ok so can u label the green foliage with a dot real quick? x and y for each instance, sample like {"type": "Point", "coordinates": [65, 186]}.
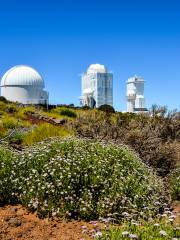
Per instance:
{"type": "Point", "coordinates": [85, 107]}
{"type": "Point", "coordinates": [106, 108]}
{"type": "Point", "coordinates": [3, 131]}
{"type": "Point", "coordinates": [10, 122]}
{"type": "Point", "coordinates": [81, 179]}
{"type": "Point", "coordinates": [124, 119]}
{"type": "Point", "coordinates": [174, 184]}
{"type": "Point", "coordinates": [68, 113]}
{"type": "Point", "coordinates": [44, 131]}
{"type": "Point", "coordinates": [6, 186]}
{"type": "Point", "coordinates": [3, 99]}
{"type": "Point", "coordinates": [16, 138]}
{"type": "Point", "coordinates": [24, 111]}
{"type": "Point", "coordinates": [2, 107]}
{"type": "Point", "coordinates": [11, 108]}
{"type": "Point", "coordinates": [160, 230]}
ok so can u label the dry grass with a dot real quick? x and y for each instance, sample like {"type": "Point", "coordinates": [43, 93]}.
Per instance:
{"type": "Point", "coordinates": [44, 131]}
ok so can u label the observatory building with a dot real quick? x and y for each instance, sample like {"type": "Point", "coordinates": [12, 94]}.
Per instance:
{"type": "Point", "coordinates": [25, 85]}
{"type": "Point", "coordinates": [135, 94]}
{"type": "Point", "coordinates": [97, 86]}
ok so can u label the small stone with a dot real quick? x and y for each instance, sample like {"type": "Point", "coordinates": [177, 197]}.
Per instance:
{"type": "Point", "coordinates": [14, 222]}
{"type": "Point", "coordinates": [59, 121]}
{"type": "Point", "coordinates": [19, 234]}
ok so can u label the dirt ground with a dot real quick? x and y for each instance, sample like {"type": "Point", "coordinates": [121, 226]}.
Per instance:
{"type": "Point", "coordinates": [16, 223]}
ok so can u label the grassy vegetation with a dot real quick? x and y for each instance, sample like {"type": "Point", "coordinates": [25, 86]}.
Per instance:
{"type": "Point", "coordinates": [44, 131]}
{"type": "Point", "coordinates": [63, 112]}
{"type": "Point", "coordinates": [9, 122]}
{"type": "Point", "coordinates": [22, 112]}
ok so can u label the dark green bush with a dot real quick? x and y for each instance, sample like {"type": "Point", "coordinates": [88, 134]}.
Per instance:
{"type": "Point", "coordinates": [106, 108]}
{"type": "Point", "coordinates": [68, 113]}
{"type": "Point", "coordinates": [85, 107]}
{"type": "Point", "coordinates": [3, 99]}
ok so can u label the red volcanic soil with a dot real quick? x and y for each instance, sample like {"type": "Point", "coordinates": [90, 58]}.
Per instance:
{"type": "Point", "coordinates": [17, 223]}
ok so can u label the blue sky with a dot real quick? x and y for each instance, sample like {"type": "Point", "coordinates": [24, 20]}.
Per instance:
{"type": "Point", "coordinates": [61, 38]}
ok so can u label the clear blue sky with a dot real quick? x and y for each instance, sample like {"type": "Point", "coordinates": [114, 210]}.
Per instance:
{"type": "Point", "coordinates": [61, 38]}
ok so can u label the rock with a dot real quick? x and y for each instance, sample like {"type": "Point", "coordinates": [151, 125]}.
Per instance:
{"type": "Point", "coordinates": [45, 118]}
{"type": "Point", "coordinates": [40, 117]}
{"type": "Point", "coordinates": [19, 234]}
{"type": "Point", "coordinates": [14, 222]}
{"type": "Point", "coordinates": [35, 115]}
{"type": "Point", "coordinates": [59, 121]}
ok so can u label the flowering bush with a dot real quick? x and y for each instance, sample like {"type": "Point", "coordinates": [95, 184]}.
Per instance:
{"type": "Point", "coordinates": [142, 231]}
{"type": "Point", "coordinates": [80, 179]}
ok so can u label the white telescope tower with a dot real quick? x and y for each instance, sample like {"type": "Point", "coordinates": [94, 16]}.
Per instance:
{"type": "Point", "coordinates": [135, 94]}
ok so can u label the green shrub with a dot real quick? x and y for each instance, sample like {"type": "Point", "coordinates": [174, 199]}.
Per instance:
{"type": "Point", "coordinates": [106, 108]}
{"type": "Point", "coordinates": [157, 230]}
{"type": "Point", "coordinates": [174, 184]}
{"type": "Point", "coordinates": [85, 107]}
{"type": "Point", "coordinates": [83, 179]}
{"type": "Point", "coordinates": [68, 113]}
{"type": "Point", "coordinates": [6, 186]}
{"type": "Point", "coordinates": [24, 111]}
{"type": "Point", "coordinates": [3, 99]}
{"type": "Point", "coordinates": [3, 131]}
{"type": "Point", "coordinates": [16, 138]}
{"type": "Point", "coordinates": [2, 106]}
{"type": "Point", "coordinates": [42, 132]}
{"type": "Point", "coordinates": [10, 122]}
{"type": "Point", "coordinates": [11, 108]}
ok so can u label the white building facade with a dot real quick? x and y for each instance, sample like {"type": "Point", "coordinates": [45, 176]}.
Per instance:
{"type": "Point", "coordinates": [23, 84]}
{"type": "Point", "coordinates": [97, 86]}
{"type": "Point", "coordinates": [135, 94]}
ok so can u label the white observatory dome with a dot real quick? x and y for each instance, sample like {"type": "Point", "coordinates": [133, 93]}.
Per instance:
{"type": "Point", "coordinates": [22, 75]}
{"type": "Point", "coordinates": [25, 85]}
{"type": "Point", "coordinates": [96, 68]}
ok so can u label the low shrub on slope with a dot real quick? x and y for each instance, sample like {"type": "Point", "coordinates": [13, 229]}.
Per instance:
{"type": "Point", "coordinates": [80, 179]}
{"type": "Point", "coordinates": [162, 230]}
{"type": "Point", "coordinates": [43, 131]}
{"type": "Point", "coordinates": [174, 184]}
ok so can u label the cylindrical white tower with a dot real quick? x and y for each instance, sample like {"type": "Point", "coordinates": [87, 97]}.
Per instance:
{"type": "Point", "coordinates": [131, 95]}
{"type": "Point", "coordinates": [135, 94]}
